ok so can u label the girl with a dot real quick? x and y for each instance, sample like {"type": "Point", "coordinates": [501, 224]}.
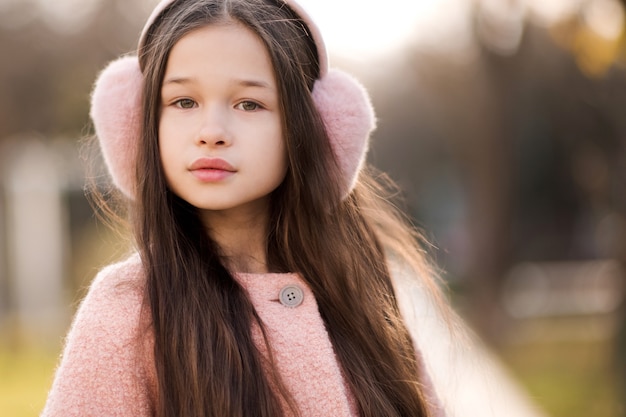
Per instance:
{"type": "Point", "coordinates": [261, 284]}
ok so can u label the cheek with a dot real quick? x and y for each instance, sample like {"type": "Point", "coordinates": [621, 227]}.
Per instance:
{"type": "Point", "coordinates": [272, 158]}
{"type": "Point", "coordinates": [270, 150]}
{"type": "Point", "coordinates": [167, 149]}
{"type": "Point", "coordinates": [166, 137]}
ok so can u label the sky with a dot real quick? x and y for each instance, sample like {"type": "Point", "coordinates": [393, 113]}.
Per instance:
{"type": "Point", "coordinates": [357, 28]}
{"type": "Point", "coordinates": [362, 29]}
{"type": "Point", "coordinates": [352, 28]}
{"type": "Point", "coordinates": [366, 29]}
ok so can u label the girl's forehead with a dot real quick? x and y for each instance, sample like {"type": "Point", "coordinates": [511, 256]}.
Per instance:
{"type": "Point", "coordinates": [312, 28]}
{"type": "Point", "coordinates": [224, 39]}
{"type": "Point", "coordinates": [228, 52]}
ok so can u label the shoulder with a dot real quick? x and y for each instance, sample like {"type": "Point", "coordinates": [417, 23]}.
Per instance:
{"type": "Point", "coordinates": [424, 318]}
{"type": "Point", "coordinates": [114, 302]}
{"type": "Point", "coordinates": [124, 274]}
{"type": "Point", "coordinates": [115, 296]}
{"type": "Point", "coordinates": [104, 363]}
{"type": "Point", "coordinates": [416, 295]}
{"type": "Point", "coordinates": [461, 375]}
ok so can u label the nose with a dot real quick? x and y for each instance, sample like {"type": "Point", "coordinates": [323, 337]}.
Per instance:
{"type": "Point", "coordinates": [213, 129]}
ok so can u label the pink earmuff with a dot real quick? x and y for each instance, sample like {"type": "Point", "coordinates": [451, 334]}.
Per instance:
{"type": "Point", "coordinates": [341, 100]}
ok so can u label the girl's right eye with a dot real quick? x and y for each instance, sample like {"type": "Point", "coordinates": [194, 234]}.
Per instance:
{"type": "Point", "coordinates": [185, 103]}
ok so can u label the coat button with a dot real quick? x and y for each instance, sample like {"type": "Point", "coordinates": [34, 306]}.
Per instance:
{"type": "Point", "coordinates": [291, 296]}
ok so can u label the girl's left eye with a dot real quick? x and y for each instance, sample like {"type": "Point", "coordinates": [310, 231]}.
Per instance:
{"type": "Point", "coordinates": [185, 103]}
{"type": "Point", "coordinates": [248, 106]}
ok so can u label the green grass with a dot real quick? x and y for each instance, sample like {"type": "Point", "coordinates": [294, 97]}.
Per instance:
{"type": "Point", "coordinates": [25, 378]}
{"type": "Point", "coordinates": [572, 379]}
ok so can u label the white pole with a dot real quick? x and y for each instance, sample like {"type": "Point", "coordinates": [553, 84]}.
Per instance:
{"type": "Point", "coordinates": [37, 240]}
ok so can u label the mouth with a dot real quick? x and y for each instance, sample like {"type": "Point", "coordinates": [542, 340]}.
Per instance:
{"type": "Point", "coordinates": [216, 164]}
{"type": "Point", "coordinates": [211, 169]}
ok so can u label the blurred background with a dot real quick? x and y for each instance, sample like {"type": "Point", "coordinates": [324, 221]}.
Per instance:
{"type": "Point", "coordinates": [502, 120]}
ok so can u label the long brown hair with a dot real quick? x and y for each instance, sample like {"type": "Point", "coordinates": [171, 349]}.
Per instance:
{"type": "Point", "coordinates": [206, 361]}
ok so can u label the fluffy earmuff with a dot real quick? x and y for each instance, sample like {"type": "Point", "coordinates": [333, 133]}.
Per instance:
{"type": "Point", "coordinates": [116, 115]}
{"type": "Point", "coordinates": [116, 108]}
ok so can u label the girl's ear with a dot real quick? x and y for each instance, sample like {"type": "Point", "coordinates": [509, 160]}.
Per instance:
{"type": "Point", "coordinates": [349, 118]}
{"type": "Point", "coordinates": [116, 114]}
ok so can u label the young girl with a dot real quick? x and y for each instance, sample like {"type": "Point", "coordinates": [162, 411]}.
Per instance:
{"type": "Point", "coordinates": [261, 284]}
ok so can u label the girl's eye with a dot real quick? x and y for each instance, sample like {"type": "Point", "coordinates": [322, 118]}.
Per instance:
{"type": "Point", "coordinates": [248, 106]}
{"type": "Point", "coordinates": [185, 103]}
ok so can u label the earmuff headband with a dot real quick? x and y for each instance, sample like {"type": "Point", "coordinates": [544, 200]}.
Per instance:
{"type": "Point", "coordinates": [116, 110]}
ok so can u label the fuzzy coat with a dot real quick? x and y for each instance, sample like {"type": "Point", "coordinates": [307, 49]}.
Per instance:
{"type": "Point", "coordinates": [107, 368]}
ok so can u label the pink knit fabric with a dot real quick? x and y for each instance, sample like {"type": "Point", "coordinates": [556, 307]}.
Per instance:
{"type": "Point", "coordinates": [107, 367]}
{"type": "Point", "coordinates": [349, 117]}
{"type": "Point", "coordinates": [116, 115]}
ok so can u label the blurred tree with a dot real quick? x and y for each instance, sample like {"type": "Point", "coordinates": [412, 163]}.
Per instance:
{"type": "Point", "coordinates": [47, 71]}
{"type": "Point", "coordinates": [532, 133]}
{"type": "Point", "coordinates": [595, 36]}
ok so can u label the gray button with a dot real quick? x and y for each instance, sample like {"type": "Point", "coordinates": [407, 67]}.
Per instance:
{"type": "Point", "coordinates": [291, 296]}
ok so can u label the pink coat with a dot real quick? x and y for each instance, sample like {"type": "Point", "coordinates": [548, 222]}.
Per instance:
{"type": "Point", "coordinates": [107, 366]}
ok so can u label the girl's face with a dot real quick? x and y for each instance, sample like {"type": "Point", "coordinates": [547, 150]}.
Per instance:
{"type": "Point", "coordinates": [220, 131]}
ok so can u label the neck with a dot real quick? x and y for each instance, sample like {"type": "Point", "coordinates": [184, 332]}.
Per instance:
{"type": "Point", "coordinates": [241, 237]}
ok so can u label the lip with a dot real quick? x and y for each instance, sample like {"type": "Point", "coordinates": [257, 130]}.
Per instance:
{"type": "Point", "coordinates": [211, 169]}
{"type": "Point", "coordinates": [211, 163]}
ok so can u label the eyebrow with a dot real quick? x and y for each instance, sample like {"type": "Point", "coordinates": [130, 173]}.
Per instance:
{"type": "Point", "coordinates": [177, 80]}
{"type": "Point", "coordinates": [253, 83]}
{"type": "Point", "coordinates": [239, 82]}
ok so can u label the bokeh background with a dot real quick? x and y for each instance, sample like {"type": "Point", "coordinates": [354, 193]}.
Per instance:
{"type": "Point", "coordinates": [502, 120]}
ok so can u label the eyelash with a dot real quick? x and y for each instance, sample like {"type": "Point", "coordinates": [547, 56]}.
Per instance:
{"type": "Point", "coordinates": [181, 104]}
{"type": "Point", "coordinates": [256, 105]}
